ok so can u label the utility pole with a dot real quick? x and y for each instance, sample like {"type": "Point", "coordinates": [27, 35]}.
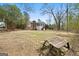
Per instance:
{"type": "Point", "coordinates": [67, 17]}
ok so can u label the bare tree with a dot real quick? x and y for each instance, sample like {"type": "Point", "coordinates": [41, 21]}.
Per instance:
{"type": "Point", "coordinates": [57, 12]}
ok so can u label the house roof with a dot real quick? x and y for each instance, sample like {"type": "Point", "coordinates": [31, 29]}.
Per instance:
{"type": "Point", "coordinates": [41, 23]}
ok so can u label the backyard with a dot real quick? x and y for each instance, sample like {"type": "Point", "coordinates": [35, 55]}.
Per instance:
{"type": "Point", "coordinates": [26, 42]}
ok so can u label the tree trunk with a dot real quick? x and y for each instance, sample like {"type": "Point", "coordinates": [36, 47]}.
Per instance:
{"type": "Point", "coordinates": [58, 25]}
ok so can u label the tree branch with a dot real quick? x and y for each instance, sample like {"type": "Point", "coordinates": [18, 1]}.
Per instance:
{"type": "Point", "coordinates": [53, 15]}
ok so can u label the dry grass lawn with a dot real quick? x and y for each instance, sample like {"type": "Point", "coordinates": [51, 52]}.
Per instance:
{"type": "Point", "coordinates": [25, 42]}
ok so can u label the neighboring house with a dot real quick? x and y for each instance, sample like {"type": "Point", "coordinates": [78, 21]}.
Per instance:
{"type": "Point", "coordinates": [40, 26]}
{"type": "Point", "coordinates": [36, 26]}
{"type": "Point", "coordinates": [2, 26]}
{"type": "Point", "coordinates": [29, 26]}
